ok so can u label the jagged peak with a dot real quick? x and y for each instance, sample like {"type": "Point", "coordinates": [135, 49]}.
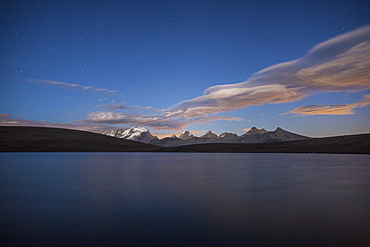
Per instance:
{"type": "Point", "coordinates": [209, 134]}
{"type": "Point", "coordinates": [135, 133]}
{"type": "Point", "coordinates": [186, 135]}
{"type": "Point", "coordinates": [186, 132]}
{"type": "Point", "coordinates": [227, 134]}
{"type": "Point", "coordinates": [278, 129]}
{"type": "Point", "coordinates": [138, 128]}
{"type": "Point", "coordinates": [254, 130]}
{"type": "Point", "coordinates": [130, 130]}
{"type": "Point", "coordinates": [107, 132]}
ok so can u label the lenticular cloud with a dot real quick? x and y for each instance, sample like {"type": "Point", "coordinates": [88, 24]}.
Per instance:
{"type": "Point", "coordinates": [72, 86]}
{"type": "Point", "coordinates": [337, 109]}
{"type": "Point", "coordinates": [339, 64]}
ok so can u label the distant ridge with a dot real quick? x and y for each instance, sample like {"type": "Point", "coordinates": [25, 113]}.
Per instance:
{"type": "Point", "coordinates": [351, 144]}
{"type": "Point", "coordinates": [41, 139]}
{"type": "Point", "coordinates": [254, 135]}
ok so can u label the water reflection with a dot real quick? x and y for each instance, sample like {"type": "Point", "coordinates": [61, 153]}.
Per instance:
{"type": "Point", "coordinates": [187, 199]}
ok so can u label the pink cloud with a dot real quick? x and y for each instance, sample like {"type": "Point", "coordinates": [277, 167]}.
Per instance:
{"type": "Point", "coordinates": [339, 64]}
{"type": "Point", "coordinates": [157, 122]}
{"type": "Point", "coordinates": [337, 109]}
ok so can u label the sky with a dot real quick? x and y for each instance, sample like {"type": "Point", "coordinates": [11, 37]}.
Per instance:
{"type": "Point", "coordinates": [171, 66]}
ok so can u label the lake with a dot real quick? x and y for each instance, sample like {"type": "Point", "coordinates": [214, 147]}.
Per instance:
{"type": "Point", "coordinates": [184, 199]}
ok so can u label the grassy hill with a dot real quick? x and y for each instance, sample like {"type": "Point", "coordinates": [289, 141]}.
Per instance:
{"type": "Point", "coordinates": [40, 139]}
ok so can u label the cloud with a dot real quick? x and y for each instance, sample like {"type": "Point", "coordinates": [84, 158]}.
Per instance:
{"type": "Point", "coordinates": [348, 71]}
{"type": "Point", "coordinates": [128, 108]}
{"type": "Point", "coordinates": [72, 86]}
{"type": "Point", "coordinates": [337, 109]}
{"type": "Point", "coordinates": [230, 99]}
{"type": "Point", "coordinates": [158, 122]}
{"type": "Point", "coordinates": [339, 64]}
{"type": "Point", "coordinates": [115, 107]}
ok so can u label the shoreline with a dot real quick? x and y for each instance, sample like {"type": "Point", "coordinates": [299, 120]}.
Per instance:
{"type": "Point", "coordinates": [42, 139]}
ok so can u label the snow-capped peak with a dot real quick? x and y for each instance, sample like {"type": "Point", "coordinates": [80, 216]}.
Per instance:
{"type": "Point", "coordinates": [135, 133]}
{"type": "Point", "coordinates": [209, 135]}
{"type": "Point", "coordinates": [228, 135]}
{"type": "Point", "coordinates": [186, 135]}
{"type": "Point", "coordinates": [135, 130]}
{"type": "Point", "coordinates": [140, 129]}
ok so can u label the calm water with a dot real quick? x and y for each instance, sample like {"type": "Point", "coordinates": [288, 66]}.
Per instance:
{"type": "Point", "coordinates": [161, 199]}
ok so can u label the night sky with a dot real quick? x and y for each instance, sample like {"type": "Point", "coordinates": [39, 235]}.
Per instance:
{"type": "Point", "coordinates": [170, 66]}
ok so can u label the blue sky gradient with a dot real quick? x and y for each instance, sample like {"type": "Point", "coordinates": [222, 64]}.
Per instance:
{"type": "Point", "coordinates": [96, 65]}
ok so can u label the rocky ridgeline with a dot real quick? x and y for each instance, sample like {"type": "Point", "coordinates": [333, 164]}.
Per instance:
{"type": "Point", "coordinates": [254, 135]}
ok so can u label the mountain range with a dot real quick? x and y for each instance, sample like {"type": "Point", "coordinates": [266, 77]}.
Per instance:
{"type": "Point", "coordinates": [139, 134]}
{"type": "Point", "coordinates": [254, 135]}
{"type": "Point", "coordinates": [43, 139]}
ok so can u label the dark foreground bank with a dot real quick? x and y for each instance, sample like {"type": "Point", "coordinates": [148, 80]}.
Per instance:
{"type": "Point", "coordinates": [352, 144]}
{"type": "Point", "coordinates": [40, 139]}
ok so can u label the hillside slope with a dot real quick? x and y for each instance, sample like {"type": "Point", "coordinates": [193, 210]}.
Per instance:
{"type": "Point", "coordinates": [355, 144]}
{"type": "Point", "coordinates": [40, 139]}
